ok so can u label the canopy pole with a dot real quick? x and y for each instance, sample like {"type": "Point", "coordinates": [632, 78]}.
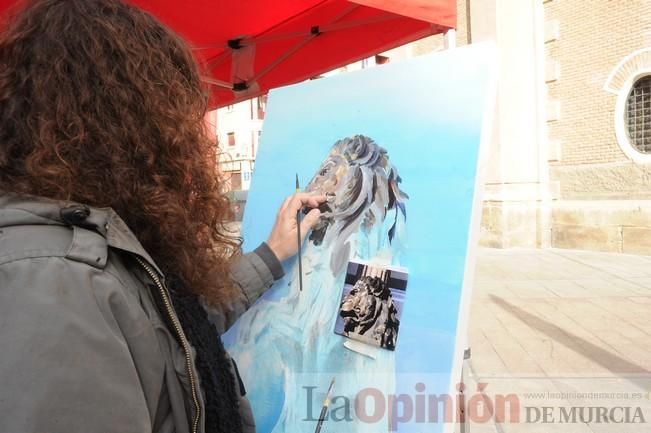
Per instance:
{"type": "Point", "coordinates": [256, 40]}
{"type": "Point", "coordinates": [215, 82]}
{"type": "Point", "coordinates": [450, 39]}
{"type": "Point", "coordinates": [314, 32]}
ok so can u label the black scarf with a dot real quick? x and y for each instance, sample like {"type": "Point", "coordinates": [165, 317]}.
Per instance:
{"type": "Point", "coordinates": [214, 367]}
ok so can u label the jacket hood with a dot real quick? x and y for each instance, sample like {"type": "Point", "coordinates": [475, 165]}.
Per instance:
{"type": "Point", "coordinates": [25, 210]}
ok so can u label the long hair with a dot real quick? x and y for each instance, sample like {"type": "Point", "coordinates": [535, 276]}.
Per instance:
{"type": "Point", "coordinates": [102, 104]}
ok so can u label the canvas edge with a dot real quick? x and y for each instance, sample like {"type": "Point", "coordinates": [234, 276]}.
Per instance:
{"type": "Point", "coordinates": [461, 339]}
{"type": "Point", "coordinates": [379, 265]}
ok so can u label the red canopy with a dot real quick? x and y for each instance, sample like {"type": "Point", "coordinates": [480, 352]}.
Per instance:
{"type": "Point", "coordinates": [251, 46]}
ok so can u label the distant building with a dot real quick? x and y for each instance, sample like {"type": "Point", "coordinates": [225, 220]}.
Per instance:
{"type": "Point", "coordinates": [238, 129]}
{"type": "Point", "coordinates": [569, 163]}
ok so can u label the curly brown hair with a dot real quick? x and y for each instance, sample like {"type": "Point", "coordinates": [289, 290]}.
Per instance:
{"type": "Point", "coordinates": [102, 104]}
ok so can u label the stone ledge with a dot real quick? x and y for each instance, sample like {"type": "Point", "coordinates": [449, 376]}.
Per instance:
{"type": "Point", "coordinates": [619, 226]}
{"type": "Point", "coordinates": [514, 224]}
{"type": "Point", "coordinates": [552, 30]}
{"type": "Point", "coordinates": [603, 213]}
{"type": "Point", "coordinates": [636, 240]}
{"type": "Point", "coordinates": [554, 155]}
{"type": "Point", "coordinates": [617, 180]}
{"type": "Point", "coordinates": [553, 110]}
{"type": "Point", "coordinates": [552, 71]}
{"type": "Point", "coordinates": [521, 193]}
{"type": "Point", "coordinates": [605, 239]}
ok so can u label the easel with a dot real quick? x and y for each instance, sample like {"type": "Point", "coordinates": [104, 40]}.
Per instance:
{"type": "Point", "coordinates": [463, 427]}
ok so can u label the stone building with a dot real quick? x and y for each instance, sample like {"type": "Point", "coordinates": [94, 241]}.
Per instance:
{"type": "Point", "coordinates": [570, 160]}
{"type": "Point", "coordinates": [599, 123]}
{"type": "Point", "coordinates": [238, 129]}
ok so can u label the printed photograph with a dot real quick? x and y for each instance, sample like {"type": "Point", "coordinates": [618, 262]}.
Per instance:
{"type": "Point", "coordinates": [371, 304]}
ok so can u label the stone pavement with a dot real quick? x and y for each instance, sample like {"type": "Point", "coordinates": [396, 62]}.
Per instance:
{"type": "Point", "coordinates": [567, 330]}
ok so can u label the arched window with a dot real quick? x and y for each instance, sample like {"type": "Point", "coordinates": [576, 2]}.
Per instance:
{"type": "Point", "coordinates": [630, 80]}
{"type": "Point", "coordinates": [637, 115]}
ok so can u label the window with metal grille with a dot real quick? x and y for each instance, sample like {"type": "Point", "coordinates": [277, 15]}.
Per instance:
{"type": "Point", "coordinates": [637, 115]}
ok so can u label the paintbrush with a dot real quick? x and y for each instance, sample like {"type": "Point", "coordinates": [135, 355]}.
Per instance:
{"type": "Point", "coordinates": [298, 230]}
{"type": "Point", "coordinates": [324, 409]}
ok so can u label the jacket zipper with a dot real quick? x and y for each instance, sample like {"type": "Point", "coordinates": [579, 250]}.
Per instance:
{"type": "Point", "coordinates": [182, 339]}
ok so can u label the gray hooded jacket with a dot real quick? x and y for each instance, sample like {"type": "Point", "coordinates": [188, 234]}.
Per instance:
{"type": "Point", "coordinates": [84, 346]}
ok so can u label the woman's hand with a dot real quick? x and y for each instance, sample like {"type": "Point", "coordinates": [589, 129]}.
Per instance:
{"type": "Point", "coordinates": [283, 239]}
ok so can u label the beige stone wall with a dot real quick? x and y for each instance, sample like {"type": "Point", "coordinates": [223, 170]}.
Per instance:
{"type": "Point", "coordinates": [516, 213]}
{"type": "Point", "coordinates": [622, 226]}
{"type": "Point", "coordinates": [615, 180]}
{"type": "Point", "coordinates": [594, 198]}
{"type": "Point", "coordinates": [436, 42]}
{"type": "Point", "coordinates": [584, 42]}
{"type": "Point", "coordinates": [605, 198]}
{"type": "Point", "coordinates": [514, 224]}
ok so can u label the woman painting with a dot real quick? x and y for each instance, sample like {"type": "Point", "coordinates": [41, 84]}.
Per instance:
{"type": "Point", "coordinates": [116, 271]}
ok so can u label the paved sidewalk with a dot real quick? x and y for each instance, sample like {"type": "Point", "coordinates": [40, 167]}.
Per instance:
{"type": "Point", "coordinates": [563, 328]}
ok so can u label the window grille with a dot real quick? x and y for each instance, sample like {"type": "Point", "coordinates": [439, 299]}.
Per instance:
{"type": "Point", "coordinates": [637, 116]}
